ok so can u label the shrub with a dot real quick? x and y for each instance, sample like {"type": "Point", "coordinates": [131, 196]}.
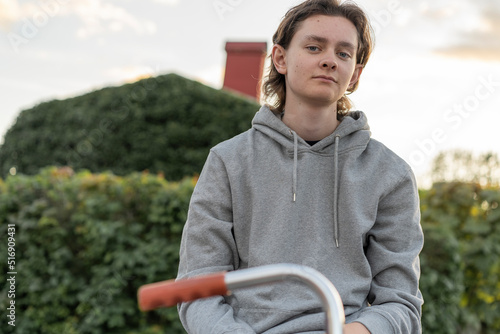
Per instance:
{"type": "Point", "coordinates": [163, 124]}
{"type": "Point", "coordinates": [442, 281]}
{"type": "Point", "coordinates": [85, 243]}
{"type": "Point", "coordinates": [461, 258]}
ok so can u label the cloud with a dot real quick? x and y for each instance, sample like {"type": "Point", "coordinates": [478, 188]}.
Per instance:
{"type": "Point", "coordinates": [480, 41]}
{"type": "Point", "coordinates": [97, 16]}
{"type": "Point", "coordinates": [10, 12]}
{"type": "Point", "coordinates": [168, 2]}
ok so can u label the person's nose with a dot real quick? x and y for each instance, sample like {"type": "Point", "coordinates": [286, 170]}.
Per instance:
{"type": "Point", "coordinates": [328, 63]}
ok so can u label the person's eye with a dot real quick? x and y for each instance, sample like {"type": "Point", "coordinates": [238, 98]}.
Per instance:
{"type": "Point", "coordinates": [313, 48]}
{"type": "Point", "coordinates": [344, 55]}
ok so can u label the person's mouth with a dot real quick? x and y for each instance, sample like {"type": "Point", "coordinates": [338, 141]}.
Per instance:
{"type": "Point", "coordinates": [326, 78]}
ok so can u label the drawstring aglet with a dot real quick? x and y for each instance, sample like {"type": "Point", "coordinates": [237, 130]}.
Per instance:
{"type": "Point", "coordinates": [294, 197]}
{"type": "Point", "coordinates": [337, 242]}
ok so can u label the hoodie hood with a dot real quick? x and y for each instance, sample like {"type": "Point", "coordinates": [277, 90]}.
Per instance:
{"type": "Point", "coordinates": [353, 125]}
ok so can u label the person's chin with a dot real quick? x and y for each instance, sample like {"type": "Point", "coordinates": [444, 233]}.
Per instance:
{"type": "Point", "coordinates": [323, 100]}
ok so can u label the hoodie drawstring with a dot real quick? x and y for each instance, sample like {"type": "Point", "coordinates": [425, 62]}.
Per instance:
{"type": "Point", "coordinates": [335, 191]}
{"type": "Point", "coordinates": [335, 185]}
{"type": "Point", "coordinates": [294, 185]}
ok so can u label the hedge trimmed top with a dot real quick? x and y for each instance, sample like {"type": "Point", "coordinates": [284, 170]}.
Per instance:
{"type": "Point", "coordinates": [165, 124]}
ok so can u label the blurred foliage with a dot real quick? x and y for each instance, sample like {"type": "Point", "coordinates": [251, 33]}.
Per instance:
{"type": "Point", "coordinates": [464, 166]}
{"type": "Point", "coordinates": [85, 243]}
{"type": "Point", "coordinates": [461, 258]}
{"type": "Point", "coordinates": [162, 124]}
{"type": "Point", "coordinates": [441, 282]}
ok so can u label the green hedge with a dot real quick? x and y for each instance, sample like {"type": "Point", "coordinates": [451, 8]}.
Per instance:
{"type": "Point", "coordinates": [84, 245]}
{"type": "Point", "coordinates": [86, 242]}
{"type": "Point", "coordinates": [165, 124]}
{"type": "Point", "coordinates": [461, 258]}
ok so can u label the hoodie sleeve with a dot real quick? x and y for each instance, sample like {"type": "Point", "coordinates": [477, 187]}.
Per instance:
{"type": "Point", "coordinates": [393, 248]}
{"type": "Point", "coordinates": [208, 246]}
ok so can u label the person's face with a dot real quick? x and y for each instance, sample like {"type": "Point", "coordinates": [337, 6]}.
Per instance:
{"type": "Point", "coordinates": [320, 62]}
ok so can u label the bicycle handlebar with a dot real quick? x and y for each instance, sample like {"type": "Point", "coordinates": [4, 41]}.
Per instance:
{"type": "Point", "coordinates": [171, 292]}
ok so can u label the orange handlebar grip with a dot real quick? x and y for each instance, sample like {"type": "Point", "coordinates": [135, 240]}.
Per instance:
{"type": "Point", "coordinates": [171, 292]}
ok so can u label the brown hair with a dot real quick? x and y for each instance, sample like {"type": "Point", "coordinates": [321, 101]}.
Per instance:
{"type": "Point", "coordinates": [274, 83]}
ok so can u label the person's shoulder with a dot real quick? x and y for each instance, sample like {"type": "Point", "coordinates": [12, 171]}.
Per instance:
{"type": "Point", "coordinates": [388, 168]}
{"type": "Point", "coordinates": [233, 145]}
{"type": "Point", "coordinates": [387, 158]}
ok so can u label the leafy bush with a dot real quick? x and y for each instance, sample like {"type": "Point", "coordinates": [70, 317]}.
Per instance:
{"type": "Point", "coordinates": [163, 124]}
{"type": "Point", "coordinates": [442, 281]}
{"type": "Point", "coordinates": [461, 258]}
{"type": "Point", "coordinates": [86, 242]}
{"type": "Point", "coordinates": [84, 245]}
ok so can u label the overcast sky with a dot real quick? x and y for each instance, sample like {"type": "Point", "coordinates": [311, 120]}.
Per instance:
{"type": "Point", "coordinates": [432, 84]}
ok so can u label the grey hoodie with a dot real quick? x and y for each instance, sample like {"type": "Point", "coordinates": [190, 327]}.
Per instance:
{"type": "Point", "coordinates": [346, 206]}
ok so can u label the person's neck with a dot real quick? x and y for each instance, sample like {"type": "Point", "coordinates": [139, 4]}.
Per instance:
{"type": "Point", "coordinates": [311, 123]}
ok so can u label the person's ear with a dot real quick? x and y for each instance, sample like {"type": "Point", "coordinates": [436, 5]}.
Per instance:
{"type": "Point", "coordinates": [279, 58]}
{"type": "Point", "coordinates": [355, 75]}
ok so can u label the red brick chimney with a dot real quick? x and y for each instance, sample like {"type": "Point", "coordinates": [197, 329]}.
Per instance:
{"type": "Point", "coordinates": [244, 67]}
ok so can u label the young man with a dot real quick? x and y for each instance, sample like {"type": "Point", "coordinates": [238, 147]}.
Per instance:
{"type": "Point", "coordinates": [307, 185]}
